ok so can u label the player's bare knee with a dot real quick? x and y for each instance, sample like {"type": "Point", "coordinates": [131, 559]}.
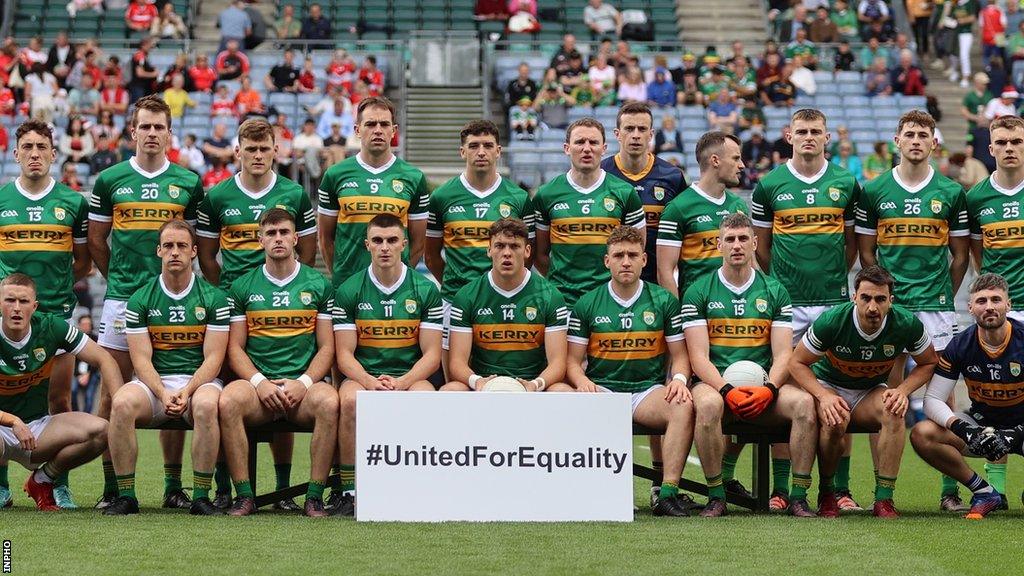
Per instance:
{"type": "Point", "coordinates": [709, 409]}
{"type": "Point", "coordinates": [205, 408]}
{"type": "Point", "coordinates": [348, 401]}
{"type": "Point", "coordinates": [892, 423]}
{"type": "Point", "coordinates": [454, 387]}
{"type": "Point", "coordinates": [923, 433]}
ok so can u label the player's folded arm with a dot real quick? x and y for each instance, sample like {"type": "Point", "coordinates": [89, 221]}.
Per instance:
{"type": "Point", "coordinates": [140, 349]}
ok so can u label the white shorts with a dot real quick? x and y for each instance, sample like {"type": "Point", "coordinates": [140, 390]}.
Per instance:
{"type": "Point", "coordinates": [112, 326]}
{"type": "Point", "coordinates": [446, 326]}
{"type": "Point", "coordinates": [10, 448]}
{"type": "Point", "coordinates": [803, 317]}
{"type": "Point", "coordinates": [635, 398]}
{"type": "Point", "coordinates": [852, 397]}
{"type": "Point", "coordinates": [941, 326]}
{"type": "Point", "coordinates": [1017, 315]}
{"type": "Point", "coordinates": [172, 383]}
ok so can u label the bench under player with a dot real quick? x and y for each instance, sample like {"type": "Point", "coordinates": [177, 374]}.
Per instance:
{"type": "Point", "coordinates": [228, 220]}
{"type": "Point", "coordinates": [43, 231]}
{"type": "Point", "coordinates": [387, 336]}
{"type": "Point", "coordinates": [281, 348]}
{"type": "Point", "coordinates": [461, 211]}
{"type": "Point", "coordinates": [129, 203]}
{"type": "Point", "coordinates": [48, 445]}
{"type": "Point", "coordinates": [508, 322]}
{"type": "Point", "coordinates": [177, 338]}
{"type": "Point", "coordinates": [844, 360]}
{"type": "Point", "coordinates": [577, 211]}
{"type": "Point", "coordinates": [989, 358]}
{"type": "Point", "coordinates": [913, 222]}
{"type": "Point", "coordinates": [739, 313]}
{"type": "Point", "coordinates": [624, 337]}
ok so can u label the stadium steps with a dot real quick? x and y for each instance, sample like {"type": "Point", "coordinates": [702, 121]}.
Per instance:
{"type": "Point", "coordinates": [720, 22]}
{"type": "Point", "coordinates": [434, 117]}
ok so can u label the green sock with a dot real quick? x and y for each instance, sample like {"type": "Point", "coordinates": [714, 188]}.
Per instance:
{"type": "Point", "coordinates": [948, 485]}
{"type": "Point", "coordinates": [826, 484]}
{"type": "Point", "coordinates": [61, 480]}
{"type": "Point", "coordinates": [126, 485]}
{"type": "Point", "coordinates": [283, 473]}
{"type": "Point", "coordinates": [335, 483]}
{"type": "Point", "coordinates": [843, 475]}
{"type": "Point", "coordinates": [715, 487]}
{"type": "Point", "coordinates": [780, 475]}
{"type": "Point", "coordinates": [243, 488]}
{"type": "Point", "coordinates": [348, 477]}
{"type": "Point", "coordinates": [172, 477]}
{"type": "Point", "coordinates": [201, 484]}
{"type": "Point", "coordinates": [109, 478]}
{"type": "Point", "coordinates": [801, 483]}
{"type": "Point", "coordinates": [315, 490]}
{"type": "Point", "coordinates": [884, 487]}
{"type": "Point", "coordinates": [996, 475]}
{"type": "Point", "coordinates": [222, 477]}
{"type": "Point", "coordinates": [658, 466]}
{"type": "Point", "coordinates": [668, 490]}
{"type": "Point", "coordinates": [4, 481]}
{"type": "Point", "coordinates": [729, 466]}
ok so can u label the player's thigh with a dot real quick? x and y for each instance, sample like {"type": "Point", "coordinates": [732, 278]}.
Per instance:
{"type": "Point", "coordinates": [321, 400]}
{"type": "Point", "coordinates": [239, 399]}
{"type": "Point", "coordinates": [137, 401]}
{"type": "Point", "coordinates": [64, 430]}
{"type": "Point", "coordinates": [204, 403]}
{"type": "Point", "coordinates": [654, 412]}
{"type": "Point", "coordinates": [421, 386]}
{"type": "Point", "coordinates": [707, 402]}
{"type": "Point", "coordinates": [793, 403]}
{"type": "Point", "coordinates": [347, 394]}
{"type": "Point", "coordinates": [940, 326]}
{"type": "Point", "coordinates": [929, 433]}
{"type": "Point", "coordinates": [870, 411]}
{"type": "Point", "coordinates": [455, 386]}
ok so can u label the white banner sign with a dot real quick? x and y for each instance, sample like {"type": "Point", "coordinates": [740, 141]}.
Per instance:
{"type": "Point", "coordinates": [490, 456]}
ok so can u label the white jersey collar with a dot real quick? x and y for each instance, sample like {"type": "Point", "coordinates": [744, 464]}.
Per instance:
{"type": "Point", "coordinates": [135, 166]}
{"type": "Point", "coordinates": [38, 195]}
{"type": "Point", "coordinates": [388, 289]}
{"type": "Point", "coordinates": [509, 293]}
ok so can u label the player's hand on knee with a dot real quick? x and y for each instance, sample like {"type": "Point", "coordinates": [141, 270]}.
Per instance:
{"type": "Point", "coordinates": [834, 410]}
{"type": "Point", "coordinates": [271, 397]}
{"type": "Point", "coordinates": [23, 434]}
{"type": "Point", "coordinates": [588, 386]}
{"type": "Point", "coordinates": [392, 383]}
{"type": "Point", "coordinates": [895, 401]}
{"type": "Point", "coordinates": [677, 392]}
{"type": "Point", "coordinates": [378, 384]}
{"type": "Point", "coordinates": [482, 383]}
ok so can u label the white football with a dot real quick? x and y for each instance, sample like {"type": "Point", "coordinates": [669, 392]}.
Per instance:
{"type": "Point", "coordinates": [745, 373]}
{"type": "Point", "coordinates": [504, 384]}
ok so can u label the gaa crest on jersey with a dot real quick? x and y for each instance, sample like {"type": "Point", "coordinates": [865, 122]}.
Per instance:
{"type": "Point", "coordinates": [649, 317]}
{"type": "Point", "coordinates": [59, 213]}
{"type": "Point", "coordinates": [835, 194]}
{"type": "Point", "coordinates": [410, 306]}
{"type": "Point", "coordinates": [761, 304]}
{"type": "Point", "coordinates": [936, 206]}
{"type": "Point", "coordinates": [609, 203]}
{"type": "Point", "coordinates": [531, 313]}
{"type": "Point", "coordinates": [1014, 369]}
{"type": "Point", "coordinates": [40, 354]}
{"type": "Point", "coordinates": [659, 193]}
{"type": "Point", "coordinates": [505, 210]}
{"type": "Point", "coordinates": [397, 186]}
{"type": "Point", "coordinates": [173, 191]}
{"type": "Point", "coordinates": [200, 313]}
{"type": "Point", "coordinates": [306, 298]}
{"type": "Point", "coordinates": [888, 350]}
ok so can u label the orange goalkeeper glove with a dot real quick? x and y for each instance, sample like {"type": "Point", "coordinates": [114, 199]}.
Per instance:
{"type": "Point", "coordinates": [758, 400]}
{"type": "Point", "coordinates": [734, 396]}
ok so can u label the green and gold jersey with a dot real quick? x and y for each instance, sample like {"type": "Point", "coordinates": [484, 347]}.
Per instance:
{"type": "Point", "coordinates": [739, 319]}
{"type": "Point", "coordinates": [388, 320]}
{"type": "Point", "coordinates": [579, 221]}
{"type": "Point", "coordinates": [37, 235]}
{"type": "Point", "coordinates": [25, 366]}
{"type": "Point", "coordinates": [137, 203]}
{"type": "Point", "coordinates": [995, 219]}
{"type": "Point", "coordinates": [690, 223]}
{"type": "Point", "coordinates": [232, 214]}
{"type": "Point", "coordinates": [912, 227]}
{"type": "Point", "coordinates": [462, 216]}
{"type": "Point", "coordinates": [808, 217]}
{"type": "Point", "coordinates": [354, 193]}
{"type": "Point", "coordinates": [858, 361]}
{"type": "Point", "coordinates": [508, 328]}
{"type": "Point", "coordinates": [626, 339]}
{"type": "Point", "coordinates": [281, 317]}
{"type": "Point", "coordinates": [177, 323]}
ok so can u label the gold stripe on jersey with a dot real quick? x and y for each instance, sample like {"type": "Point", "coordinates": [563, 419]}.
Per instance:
{"type": "Point", "coordinates": [362, 209]}
{"type": "Point", "coordinates": [700, 246]}
{"type": "Point", "coordinates": [12, 385]}
{"type": "Point", "coordinates": [1002, 235]}
{"type": "Point", "coordinates": [1002, 394]}
{"type": "Point", "coordinates": [388, 333]}
{"type": "Point", "coordinates": [466, 234]}
{"type": "Point", "coordinates": [280, 323]}
{"type": "Point", "coordinates": [739, 332]}
{"type": "Point", "coordinates": [145, 215]}
{"type": "Point", "coordinates": [508, 337]}
{"type": "Point", "coordinates": [858, 369]}
{"type": "Point", "coordinates": [823, 220]}
{"type": "Point", "coordinates": [912, 232]}
{"type": "Point", "coordinates": [240, 237]}
{"type": "Point", "coordinates": [35, 237]}
{"type": "Point", "coordinates": [176, 337]}
{"type": "Point", "coordinates": [582, 230]}
{"type": "Point", "coordinates": [641, 345]}
{"type": "Point", "coordinates": [652, 212]}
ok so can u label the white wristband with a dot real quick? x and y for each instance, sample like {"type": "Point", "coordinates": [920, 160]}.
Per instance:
{"type": "Point", "coordinates": [306, 380]}
{"type": "Point", "coordinates": [679, 377]}
{"type": "Point", "coordinates": [256, 379]}
{"type": "Point", "coordinates": [473, 379]}
{"type": "Point", "coordinates": [540, 382]}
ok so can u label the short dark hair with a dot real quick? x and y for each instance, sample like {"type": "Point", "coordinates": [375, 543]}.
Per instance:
{"type": "Point", "coordinates": [584, 123]}
{"type": "Point", "coordinates": [711, 143]}
{"type": "Point", "coordinates": [633, 108]}
{"type": "Point", "coordinates": [276, 216]}
{"type": "Point", "coordinates": [19, 279]}
{"type": "Point", "coordinates": [919, 117]}
{"type": "Point", "coordinates": [736, 220]}
{"type": "Point", "coordinates": [479, 128]}
{"type": "Point", "coordinates": [384, 220]}
{"type": "Point", "coordinates": [375, 102]}
{"type": "Point", "coordinates": [625, 234]}
{"type": "Point", "coordinates": [37, 126]}
{"type": "Point", "coordinates": [176, 224]}
{"type": "Point", "coordinates": [510, 227]}
{"type": "Point", "coordinates": [989, 281]}
{"type": "Point", "coordinates": [876, 275]}
{"type": "Point", "coordinates": [151, 103]}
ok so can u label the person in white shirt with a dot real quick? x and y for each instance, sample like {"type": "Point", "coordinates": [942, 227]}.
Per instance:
{"type": "Point", "coordinates": [602, 18]}
{"type": "Point", "coordinates": [1005, 105]}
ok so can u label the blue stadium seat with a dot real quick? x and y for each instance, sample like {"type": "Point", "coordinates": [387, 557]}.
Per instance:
{"type": "Point", "coordinates": [856, 101]}
{"type": "Point", "coordinates": [848, 77]}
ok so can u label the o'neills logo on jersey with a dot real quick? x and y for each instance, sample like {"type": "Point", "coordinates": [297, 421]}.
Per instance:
{"type": "Point", "coordinates": [912, 232]}
{"type": "Point", "coordinates": [858, 368]}
{"type": "Point", "coordinates": [280, 323]}
{"type": "Point", "coordinates": [35, 237]}
{"type": "Point", "coordinates": [388, 333]}
{"type": "Point", "coordinates": [809, 221]}
{"type": "Point", "coordinates": [466, 234]}
{"type": "Point", "coordinates": [361, 209]}
{"type": "Point", "coordinates": [739, 332]}
{"type": "Point", "coordinates": [999, 394]}
{"type": "Point", "coordinates": [508, 337]}
{"type": "Point", "coordinates": [176, 337]}
{"type": "Point", "coordinates": [11, 384]}
{"type": "Point", "coordinates": [626, 345]}
{"type": "Point", "coordinates": [1002, 235]}
{"type": "Point", "coordinates": [145, 215]}
{"type": "Point", "coordinates": [582, 230]}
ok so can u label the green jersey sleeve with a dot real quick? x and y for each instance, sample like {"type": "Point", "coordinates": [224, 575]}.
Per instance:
{"type": "Point", "coordinates": [959, 224]}
{"type": "Point", "coordinates": [73, 339]}
{"type": "Point", "coordinates": [327, 199]}
{"type": "Point", "coordinates": [460, 311]}
{"type": "Point", "coordinates": [783, 315]}
{"type": "Point", "coordinates": [866, 214]}
{"type": "Point", "coordinates": [435, 217]}
{"type": "Point", "coordinates": [420, 201]}
{"type": "Point", "coordinates": [919, 337]}
{"type": "Point", "coordinates": [579, 322]}
{"type": "Point", "coordinates": [101, 208]}
{"type": "Point", "coordinates": [556, 317]}
{"type": "Point", "coordinates": [222, 310]}
{"type": "Point", "coordinates": [80, 227]}
{"type": "Point", "coordinates": [850, 214]}
{"type": "Point", "coordinates": [343, 314]}
{"type": "Point", "coordinates": [671, 226]}
{"type": "Point", "coordinates": [306, 217]}
{"type": "Point", "coordinates": [135, 315]}
{"type": "Point", "coordinates": [541, 217]}
{"type": "Point", "coordinates": [821, 334]}
{"type": "Point", "coordinates": [761, 211]}
{"type": "Point", "coordinates": [195, 199]}
{"type": "Point", "coordinates": [672, 319]}
{"type": "Point", "coordinates": [693, 309]}
{"type": "Point", "coordinates": [633, 214]}
{"type": "Point", "coordinates": [207, 219]}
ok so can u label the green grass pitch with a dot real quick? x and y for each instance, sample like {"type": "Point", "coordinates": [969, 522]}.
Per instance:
{"type": "Point", "coordinates": [923, 541]}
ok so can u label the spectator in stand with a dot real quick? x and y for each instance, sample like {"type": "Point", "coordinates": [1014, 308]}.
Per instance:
{"type": "Point", "coordinates": [231, 62]}
{"type": "Point", "coordinates": [316, 27]}
{"type": "Point", "coordinates": [1015, 43]}
{"type": "Point", "coordinates": [844, 59]}
{"type": "Point", "coordinates": [139, 17]}
{"type": "Point", "coordinates": [769, 71]}
{"type": "Point", "coordinates": [84, 100]}
{"type": "Point", "coordinates": [877, 81]}
{"type": "Point", "coordinates": [756, 154]}
{"type": "Point", "coordinates": [992, 24]}
{"type": "Point", "coordinates": [521, 87]}
{"type": "Point", "coordinates": [372, 76]}
{"type": "Point", "coordinates": [306, 147]}
{"type": "Point", "coordinates": [33, 53]}
{"type": "Point", "coordinates": [571, 75]}
{"type": "Point", "coordinates": [661, 92]}
{"type": "Point", "coordinates": [249, 101]}
{"type": "Point", "coordinates": [842, 137]}
{"type": "Point", "coordinates": [105, 127]}
{"type": "Point", "coordinates": [69, 177]}
{"type": "Point", "coordinates": [169, 24]}
{"type": "Point", "coordinates": [560, 61]}
{"type": "Point", "coordinates": [871, 12]}
{"type": "Point", "coordinates": [235, 24]}
{"type": "Point", "coordinates": [602, 81]}
{"type": "Point", "coordinates": [341, 71]}
{"type": "Point", "coordinates": [877, 162]}
{"type": "Point", "coordinates": [737, 53]}
{"type": "Point", "coordinates": [218, 146]}
{"type": "Point", "coordinates": [972, 107]}
{"type": "Point", "coordinates": [964, 12]}
{"type": "Point", "coordinates": [799, 21]}
{"type": "Point", "coordinates": [191, 156]}
{"type": "Point", "coordinates": [872, 52]}
{"type": "Point", "coordinates": [75, 5]}
{"type": "Point", "coordinates": [338, 114]}
{"type": "Point", "coordinates": [103, 157]}
{"type": "Point", "coordinates": [203, 75]}
{"type": "Point", "coordinates": [966, 169]}
{"type": "Point", "coordinates": [751, 115]}
{"type": "Point", "coordinates": [113, 68]}
{"type": "Point", "coordinates": [143, 73]}
{"type": "Point", "coordinates": [76, 143]}
{"type": "Point", "coordinates": [334, 147]}
{"type": "Point", "coordinates": [8, 104]}
{"type": "Point", "coordinates": [780, 92]}
{"type": "Point", "coordinates": [523, 119]}
{"type": "Point", "coordinates": [307, 78]}
{"type": "Point", "coordinates": [803, 47]}
{"type": "Point", "coordinates": [283, 137]}
{"type": "Point", "coordinates": [901, 43]}
{"type": "Point", "coordinates": [602, 19]}
{"type": "Point", "coordinates": [908, 79]}
{"type": "Point", "coordinates": [919, 13]}
{"type": "Point", "coordinates": [1005, 105]}
{"type": "Point", "coordinates": [61, 58]}
{"type": "Point", "coordinates": [689, 94]}
{"type": "Point", "coordinates": [687, 68]}
{"type": "Point", "coordinates": [553, 105]}
{"type": "Point", "coordinates": [668, 140]}
{"type": "Point", "coordinates": [287, 26]}
{"type": "Point", "coordinates": [622, 58]}
{"type": "Point", "coordinates": [723, 114]}
{"type": "Point", "coordinates": [584, 94]}
{"type": "Point", "coordinates": [849, 160]}
{"type": "Point", "coordinates": [803, 78]}
{"type": "Point", "coordinates": [85, 66]}
{"type": "Point", "coordinates": [782, 149]}
{"type": "Point", "coordinates": [177, 98]}
{"type": "Point", "coordinates": [9, 61]}
{"type": "Point", "coordinates": [40, 92]}
{"type": "Point", "coordinates": [632, 87]}
{"type": "Point", "coordinates": [714, 82]}
{"type": "Point", "coordinates": [217, 173]}
{"type": "Point", "coordinates": [742, 78]}
{"type": "Point", "coordinates": [823, 29]}
{"type": "Point", "coordinates": [284, 77]}
{"type": "Point", "coordinates": [846, 21]}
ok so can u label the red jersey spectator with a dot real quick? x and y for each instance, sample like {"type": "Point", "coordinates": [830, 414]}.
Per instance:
{"type": "Point", "coordinates": [341, 71]}
{"type": "Point", "coordinates": [3, 139]}
{"type": "Point", "coordinates": [993, 32]}
{"type": "Point", "coordinates": [113, 97]}
{"type": "Point", "coordinates": [113, 68]}
{"type": "Point", "coordinates": [216, 175]}
{"type": "Point", "coordinates": [231, 63]}
{"type": "Point", "coordinates": [307, 78]}
{"type": "Point", "coordinates": [140, 15]}
{"type": "Point", "coordinates": [203, 75]}
{"type": "Point", "coordinates": [33, 53]}
{"type": "Point", "coordinates": [223, 104]}
{"type": "Point", "coordinates": [7, 107]}
{"type": "Point", "coordinates": [372, 76]}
